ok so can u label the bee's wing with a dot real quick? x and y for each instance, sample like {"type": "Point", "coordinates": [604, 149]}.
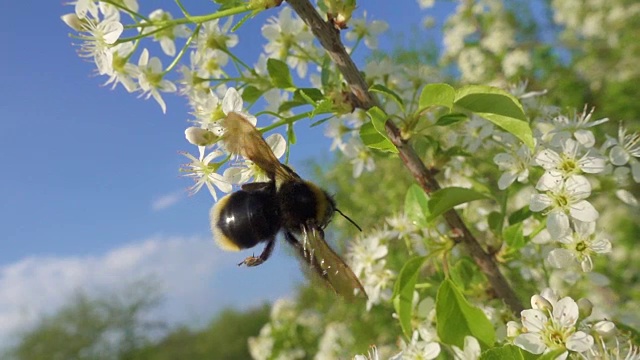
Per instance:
{"type": "Point", "coordinates": [326, 263]}
{"type": "Point", "coordinates": [242, 138]}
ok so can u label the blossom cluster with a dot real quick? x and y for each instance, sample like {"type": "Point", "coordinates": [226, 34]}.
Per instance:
{"type": "Point", "coordinates": [210, 63]}
{"type": "Point", "coordinates": [559, 181]}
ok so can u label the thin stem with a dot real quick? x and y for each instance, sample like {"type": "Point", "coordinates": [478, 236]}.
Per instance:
{"type": "Point", "coordinates": [142, 35]}
{"type": "Point", "coordinates": [183, 9]}
{"type": "Point", "coordinates": [329, 38]}
{"type": "Point", "coordinates": [183, 50]}
{"type": "Point", "coordinates": [285, 121]}
{"type": "Point", "coordinates": [126, 9]}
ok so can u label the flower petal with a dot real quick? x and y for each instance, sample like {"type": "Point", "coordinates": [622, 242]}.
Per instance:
{"type": "Point", "coordinates": [585, 137]}
{"type": "Point", "coordinates": [557, 224]}
{"type": "Point", "coordinates": [506, 179]}
{"type": "Point", "coordinates": [277, 143]}
{"type": "Point", "coordinates": [618, 155]}
{"type": "Point", "coordinates": [504, 160]}
{"type": "Point", "coordinates": [533, 320]}
{"type": "Point", "coordinates": [530, 342]}
{"type": "Point", "coordinates": [550, 180]}
{"type": "Point", "coordinates": [592, 164]}
{"type": "Point", "coordinates": [579, 342]}
{"type": "Point", "coordinates": [232, 101]}
{"type": "Point", "coordinates": [548, 159]}
{"type": "Point", "coordinates": [583, 211]}
{"type": "Point", "coordinates": [560, 258]}
{"type": "Point", "coordinates": [565, 312]}
{"type": "Point", "coordinates": [539, 202]}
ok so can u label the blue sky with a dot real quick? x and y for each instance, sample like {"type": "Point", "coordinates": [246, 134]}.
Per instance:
{"type": "Point", "coordinates": [86, 172]}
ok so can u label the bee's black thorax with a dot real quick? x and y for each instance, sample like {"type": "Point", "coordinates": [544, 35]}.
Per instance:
{"type": "Point", "coordinates": [301, 202]}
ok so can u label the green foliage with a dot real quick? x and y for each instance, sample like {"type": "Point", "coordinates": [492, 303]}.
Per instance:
{"type": "Point", "coordinates": [280, 74]}
{"type": "Point", "coordinates": [445, 199]}
{"type": "Point", "coordinates": [456, 318]}
{"type": "Point", "coordinates": [108, 327]}
{"type": "Point", "coordinates": [507, 352]}
{"type": "Point", "coordinates": [437, 95]}
{"type": "Point", "coordinates": [416, 205]}
{"type": "Point", "coordinates": [225, 338]}
{"type": "Point", "coordinates": [373, 133]}
{"type": "Point", "coordinates": [497, 106]}
{"type": "Point", "coordinates": [403, 292]}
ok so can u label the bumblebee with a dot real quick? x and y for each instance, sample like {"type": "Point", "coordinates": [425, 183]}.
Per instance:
{"type": "Point", "coordinates": [287, 203]}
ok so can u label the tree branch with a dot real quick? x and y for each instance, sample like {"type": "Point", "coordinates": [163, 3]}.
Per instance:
{"type": "Point", "coordinates": [329, 38]}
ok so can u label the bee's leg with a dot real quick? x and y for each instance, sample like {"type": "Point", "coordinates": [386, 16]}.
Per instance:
{"type": "Point", "coordinates": [255, 261]}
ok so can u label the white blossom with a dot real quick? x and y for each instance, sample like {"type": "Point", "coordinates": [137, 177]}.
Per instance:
{"type": "Point", "coordinates": [288, 37]}
{"type": "Point", "coordinates": [167, 36]}
{"type": "Point", "coordinates": [204, 172]}
{"type": "Point", "coordinates": [515, 166]}
{"type": "Point", "coordinates": [151, 79]}
{"type": "Point", "coordinates": [577, 126]}
{"type": "Point", "coordinates": [551, 325]}
{"type": "Point", "coordinates": [626, 151]}
{"type": "Point", "coordinates": [579, 246]}
{"type": "Point", "coordinates": [563, 199]}
{"type": "Point", "coordinates": [471, 349]}
{"type": "Point", "coordinates": [568, 163]}
{"type": "Point", "coordinates": [360, 29]}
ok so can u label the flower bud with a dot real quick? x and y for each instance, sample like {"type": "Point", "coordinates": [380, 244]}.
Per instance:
{"type": "Point", "coordinates": [513, 329]}
{"type": "Point", "coordinates": [73, 21]}
{"type": "Point", "coordinates": [540, 303]}
{"type": "Point", "coordinates": [584, 307]}
{"type": "Point", "coordinates": [200, 137]}
{"type": "Point", "coordinates": [605, 328]}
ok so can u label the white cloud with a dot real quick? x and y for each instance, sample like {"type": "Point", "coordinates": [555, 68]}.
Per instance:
{"type": "Point", "coordinates": [167, 200]}
{"type": "Point", "coordinates": [196, 278]}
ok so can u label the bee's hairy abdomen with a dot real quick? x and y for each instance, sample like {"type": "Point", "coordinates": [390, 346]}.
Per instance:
{"type": "Point", "coordinates": [242, 219]}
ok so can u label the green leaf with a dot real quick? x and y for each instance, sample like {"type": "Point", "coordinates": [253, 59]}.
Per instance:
{"type": "Point", "coordinates": [251, 94]}
{"type": "Point", "coordinates": [507, 352]}
{"type": "Point", "coordinates": [291, 134]}
{"type": "Point", "coordinates": [324, 106]}
{"type": "Point", "coordinates": [520, 215]}
{"type": "Point", "coordinates": [463, 272]}
{"type": "Point", "coordinates": [450, 119]}
{"type": "Point", "coordinates": [326, 72]}
{"type": "Point", "coordinates": [403, 292]}
{"type": "Point", "coordinates": [513, 236]}
{"type": "Point", "coordinates": [437, 95]}
{"type": "Point", "coordinates": [308, 95]}
{"type": "Point", "coordinates": [497, 106]}
{"type": "Point", "coordinates": [288, 105]}
{"type": "Point", "coordinates": [495, 220]}
{"type": "Point", "coordinates": [280, 74]}
{"type": "Point", "coordinates": [456, 318]}
{"type": "Point", "coordinates": [552, 355]}
{"type": "Point", "coordinates": [445, 199]}
{"type": "Point", "coordinates": [378, 119]}
{"type": "Point", "coordinates": [372, 138]}
{"type": "Point", "coordinates": [381, 89]}
{"type": "Point", "coordinates": [416, 205]}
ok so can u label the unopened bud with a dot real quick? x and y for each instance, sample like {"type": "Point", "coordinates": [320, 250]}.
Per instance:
{"type": "Point", "coordinates": [513, 329]}
{"type": "Point", "coordinates": [200, 137]}
{"type": "Point", "coordinates": [73, 21]}
{"type": "Point", "coordinates": [584, 307]}
{"type": "Point", "coordinates": [540, 303]}
{"type": "Point", "coordinates": [605, 328]}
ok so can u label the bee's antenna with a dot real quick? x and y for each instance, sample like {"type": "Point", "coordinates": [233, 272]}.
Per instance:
{"type": "Point", "coordinates": [351, 221]}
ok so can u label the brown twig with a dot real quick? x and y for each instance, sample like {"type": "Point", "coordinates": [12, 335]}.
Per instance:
{"type": "Point", "coordinates": [329, 38]}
